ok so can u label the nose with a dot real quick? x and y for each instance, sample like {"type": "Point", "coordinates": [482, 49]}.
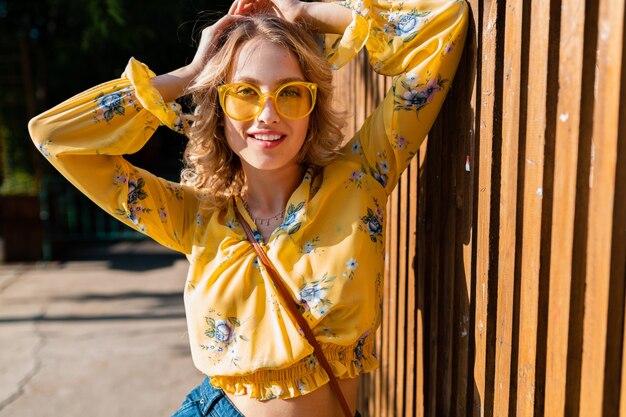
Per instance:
{"type": "Point", "coordinates": [268, 113]}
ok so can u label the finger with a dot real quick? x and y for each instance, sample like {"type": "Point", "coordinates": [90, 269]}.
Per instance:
{"type": "Point", "coordinates": [248, 9]}
{"type": "Point", "coordinates": [244, 6]}
{"type": "Point", "coordinates": [233, 7]}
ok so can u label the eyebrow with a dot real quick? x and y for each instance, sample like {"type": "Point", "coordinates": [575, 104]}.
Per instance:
{"type": "Point", "coordinates": [257, 82]}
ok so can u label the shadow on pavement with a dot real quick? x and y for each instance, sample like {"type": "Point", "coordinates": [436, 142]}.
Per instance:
{"type": "Point", "coordinates": [134, 256]}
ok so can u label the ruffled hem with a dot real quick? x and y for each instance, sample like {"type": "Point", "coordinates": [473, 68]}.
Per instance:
{"type": "Point", "coordinates": [169, 114]}
{"type": "Point", "coordinates": [303, 377]}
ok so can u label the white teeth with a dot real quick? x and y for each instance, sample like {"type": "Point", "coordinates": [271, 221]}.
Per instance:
{"type": "Point", "coordinates": [267, 137]}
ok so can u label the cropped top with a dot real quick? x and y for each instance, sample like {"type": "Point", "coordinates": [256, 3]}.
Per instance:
{"type": "Point", "coordinates": [329, 248]}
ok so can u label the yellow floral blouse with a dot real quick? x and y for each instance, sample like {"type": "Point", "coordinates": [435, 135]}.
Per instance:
{"type": "Point", "coordinates": [330, 246]}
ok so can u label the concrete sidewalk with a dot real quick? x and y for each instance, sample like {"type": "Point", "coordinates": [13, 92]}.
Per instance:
{"type": "Point", "coordinates": [101, 338]}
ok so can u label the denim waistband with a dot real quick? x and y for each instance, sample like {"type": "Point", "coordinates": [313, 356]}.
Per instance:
{"type": "Point", "coordinates": [214, 400]}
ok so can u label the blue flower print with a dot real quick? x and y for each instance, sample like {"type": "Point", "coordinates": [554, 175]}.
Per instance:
{"type": "Point", "coordinates": [257, 236]}
{"type": "Point", "coordinates": [136, 191]}
{"type": "Point", "coordinates": [136, 194]}
{"type": "Point", "coordinates": [312, 294]}
{"type": "Point", "coordinates": [43, 148]}
{"type": "Point", "coordinates": [406, 24]}
{"type": "Point", "coordinates": [310, 360]}
{"type": "Point", "coordinates": [415, 98]}
{"type": "Point", "coordinates": [379, 175]}
{"type": "Point", "coordinates": [114, 103]}
{"type": "Point", "coordinates": [290, 222]}
{"type": "Point", "coordinates": [110, 104]}
{"type": "Point", "coordinates": [356, 177]}
{"type": "Point", "coordinates": [119, 178]}
{"type": "Point", "coordinates": [372, 223]}
{"type": "Point", "coordinates": [351, 266]}
{"type": "Point", "coordinates": [175, 189]}
{"type": "Point", "coordinates": [224, 332]}
{"type": "Point", "coordinates": [398, 142]}
{"type": "Point", "coordinates": [257, 263]}
{"type": "Point", "coordinates": [223, 336]}
{"type": "Point", "coordinates": [302, 386]}
{"type": "Point", "coordinates": [358, 352]}
{"type": "Point", "coordinates": [449, 46]}
{"type": "Point", "coordinates": [310, 246]}
{"type": "Point", "coordinates": [357, 149]}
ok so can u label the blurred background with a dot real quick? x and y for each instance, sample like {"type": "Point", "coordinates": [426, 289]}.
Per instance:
{"type": "Point", "coordinates": [92, 320]}
{"type": "Point", "coordinates": [49, 51]}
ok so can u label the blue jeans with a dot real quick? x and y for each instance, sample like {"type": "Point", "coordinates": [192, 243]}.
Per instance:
{"type": "Point", "coordinates": [207, 401]}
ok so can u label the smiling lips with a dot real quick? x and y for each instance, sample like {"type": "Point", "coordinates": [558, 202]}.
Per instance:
{"type": "Point", "coordinates": [270, 138]}
{"type": "Point", "coordinates": [267, 139]}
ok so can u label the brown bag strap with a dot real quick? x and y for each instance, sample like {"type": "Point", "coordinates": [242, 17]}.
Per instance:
{"type": "Point", "coordinates": [292, 308]}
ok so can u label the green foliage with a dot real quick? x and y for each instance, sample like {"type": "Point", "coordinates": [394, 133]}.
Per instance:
{"type": "Point", "coordinates": [16, 165]}
{"type": "Point", "coordinates": [53, 49]}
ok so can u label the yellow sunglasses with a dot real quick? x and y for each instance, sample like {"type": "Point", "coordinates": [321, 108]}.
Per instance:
{"type": "Point", "coordinates": [243, 101]}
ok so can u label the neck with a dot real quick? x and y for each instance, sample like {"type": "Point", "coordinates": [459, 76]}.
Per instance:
{"type": "Point", "coordinates": [267, 192]}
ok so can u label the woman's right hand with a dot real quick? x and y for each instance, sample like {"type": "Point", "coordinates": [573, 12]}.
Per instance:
{"type": "Point", "coordinates": [175, 84]}
{"type": "Point", "coordinates": [290, 10]}
{"type": "Point", "coordinates": [207, 46]}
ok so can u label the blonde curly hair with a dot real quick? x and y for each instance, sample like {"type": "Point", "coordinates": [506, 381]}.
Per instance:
{"type": "Point", "coordinates": [210, 165]}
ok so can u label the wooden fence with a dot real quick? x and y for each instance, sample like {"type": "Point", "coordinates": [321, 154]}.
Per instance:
{"type": "Point", "coordinates": [505, 292]}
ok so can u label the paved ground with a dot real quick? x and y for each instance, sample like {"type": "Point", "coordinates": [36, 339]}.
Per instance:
{"type": "Point", "coordinates": [97, 338]}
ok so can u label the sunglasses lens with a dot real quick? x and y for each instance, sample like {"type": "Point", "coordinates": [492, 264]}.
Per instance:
{"type": "Point", "coordinates": [241, 102]}
{"type": "Point", "coordinates": [294, 101]}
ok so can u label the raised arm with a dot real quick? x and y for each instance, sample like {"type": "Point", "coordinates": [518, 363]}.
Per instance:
{"type": "Point", "coordinates": [85, 137]}
{"type": "Point", "coordinates": [419, 42]}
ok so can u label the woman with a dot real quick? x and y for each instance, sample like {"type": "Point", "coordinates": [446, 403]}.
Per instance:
{"type": "Point", "coordinates": [265, 143]}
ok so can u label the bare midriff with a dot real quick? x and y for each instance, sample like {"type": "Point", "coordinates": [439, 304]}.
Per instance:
{"type": "Point", "coordinates": [321, 402]}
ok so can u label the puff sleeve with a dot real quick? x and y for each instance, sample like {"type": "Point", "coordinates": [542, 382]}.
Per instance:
{"type": "Point", "coordinates": [85, 137]}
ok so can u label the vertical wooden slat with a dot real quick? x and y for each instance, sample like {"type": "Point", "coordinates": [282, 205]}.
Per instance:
{"type": "Point", "coordinates": [474, 345]}
{"type": "Point", "coordinates": [487, 55]}
{"type": "Point", "coordinates": [508, 211]}
{"type": "Point", "coordinates": [446, 226]}
{"type": "Point", "coordinates": [618, 269]}
{"type": "Point", "coordinates": [402, 347]}
{"type": "Point", "coordinates": [508, 206]}
{"type": "Point", "coordinates": [433, 271]}
{"type": "Point", "coordinates": [622, 400]}
{"type": "Point", "coordinates": [387, 332]}
{"type": "Point", "coordinates": [601, 198]}
{"type": "Point", "coordinates": [564, 208]}
{"type": "Point", "coordinates": [465, 94]}
{"type": "Point", "coordinates": [533, 196]}
{"type": "Point", "coordinates": [394, 277]}
{"type": "Point", "coordinates": [412, 342]}
{"type": "Point", "coordinates": [422, 337]}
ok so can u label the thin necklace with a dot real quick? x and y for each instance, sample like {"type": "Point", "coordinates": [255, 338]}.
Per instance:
{"type": "Point", "coordinates": [267, 221]}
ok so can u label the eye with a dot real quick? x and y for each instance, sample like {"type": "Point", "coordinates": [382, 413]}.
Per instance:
{"type": "Point", "coordinates": [245, 91]}
{"type": "Point", "coordinates": [291, 91]}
